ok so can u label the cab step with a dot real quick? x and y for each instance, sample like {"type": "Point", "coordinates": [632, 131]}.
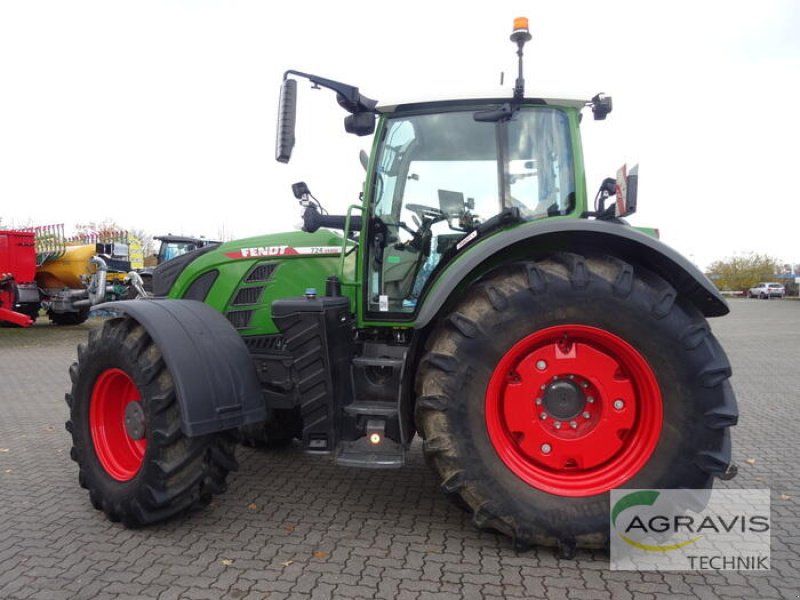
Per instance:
{"type": "Point", "coordinates": [385, 362]}
{"type": "Point", "coordinates": [373, 450]}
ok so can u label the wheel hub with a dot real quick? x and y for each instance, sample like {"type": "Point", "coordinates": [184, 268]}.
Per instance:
{"type": "Point", "coordinates": [563, 399]}
{"type": "Point", "coordinates": [134, 420]}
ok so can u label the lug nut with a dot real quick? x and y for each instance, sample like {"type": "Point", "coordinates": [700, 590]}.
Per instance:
{"type": "Point", "coordinates": [590, 399]}
{"type": "Point", "coordinates": [619, 404]}
{"type": "Point", "coordinates": [557, 424]}
{"type": "Point", "coordinates": [543, 416]}
{"type": "Point", "coordinates": [584, 385]}
{"type": "Point", "coordinates": [541, 365]}
{"type": "Point", "coordinates": [571, 377]}
{"type": "Point", "coordinates": [586, 415]}
{"type": "Point", "coordinates": [546, 449]}
{"type": "Point", "coordinates": [573, 424]}
{"type": "Point", "coordinates": [539, 401]}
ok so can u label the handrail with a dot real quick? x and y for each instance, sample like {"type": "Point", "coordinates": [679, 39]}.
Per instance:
{"type": "Point", "coordinates": [346, 238]}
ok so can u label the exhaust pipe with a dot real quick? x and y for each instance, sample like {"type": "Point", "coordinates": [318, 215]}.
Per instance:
{"type": "Point", "coordinates": [86, 303]}
{"type": "Point", "coordinates": [97, 288]}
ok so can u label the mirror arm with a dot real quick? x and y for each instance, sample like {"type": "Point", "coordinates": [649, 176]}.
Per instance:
{"type": "Point", "coordinates": [354, 102]}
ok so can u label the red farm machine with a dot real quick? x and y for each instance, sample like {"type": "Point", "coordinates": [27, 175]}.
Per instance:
{"type": "Point", "coordinates": [17, 277]}
{"type": "Point", "coordinates": [42, 270]}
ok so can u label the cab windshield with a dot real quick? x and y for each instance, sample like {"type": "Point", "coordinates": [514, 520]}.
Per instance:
{"type": "Point", "coordinates": [440, 176]}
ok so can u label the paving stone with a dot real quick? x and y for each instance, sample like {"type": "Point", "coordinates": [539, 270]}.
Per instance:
{"type": "Point", "coordinates": [385, 534]}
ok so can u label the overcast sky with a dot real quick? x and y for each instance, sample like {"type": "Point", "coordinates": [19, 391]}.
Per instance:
{"type": "Point", "coordinates": [161, 115]}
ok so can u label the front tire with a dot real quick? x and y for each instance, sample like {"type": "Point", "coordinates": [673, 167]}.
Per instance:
{"type": "Point", "coordinates": [137, 464]}
{"type": "Point", "coordinates": [631, 373]}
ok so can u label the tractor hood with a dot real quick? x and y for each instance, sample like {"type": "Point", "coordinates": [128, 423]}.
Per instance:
{"type": "Point", "coordinates": [284, 245]}
{"type": "Point", "coordinates": [241, 278]}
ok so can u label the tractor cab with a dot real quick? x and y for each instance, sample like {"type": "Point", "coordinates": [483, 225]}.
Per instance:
{"type": "Point", "coordinates": [173, 246]}
{"type": "Point", "coordinates": [445, 174]}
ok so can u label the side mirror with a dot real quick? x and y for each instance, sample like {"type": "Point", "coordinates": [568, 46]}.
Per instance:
{"type": "Point", "coordinates": [362, 123]}
{"type": "Point", "coordinates": [627, 188]}
{"type": "Point", "coordinates": [287, 115]}
{"type": "Point", "coordinates": [601, 106]}
{"type": "Point", "coordinates": [300, 190]}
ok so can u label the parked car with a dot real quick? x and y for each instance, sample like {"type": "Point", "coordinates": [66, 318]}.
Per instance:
{"type": "Point", "coordinates": [767, 290]}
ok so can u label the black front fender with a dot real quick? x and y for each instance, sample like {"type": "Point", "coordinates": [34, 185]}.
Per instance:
{"type": "Point", "coordinates": [214, 376]}
{"type": "Point", "coordinates": [581, 236]}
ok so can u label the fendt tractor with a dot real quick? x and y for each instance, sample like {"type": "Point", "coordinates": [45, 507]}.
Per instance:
{"type": "Point", "coordinates": [545, 351]}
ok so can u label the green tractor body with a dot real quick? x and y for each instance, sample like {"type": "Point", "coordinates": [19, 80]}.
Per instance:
{"type": "Point", "coordinates": [242, 278]}
{"type": "Point", "coordinates": [546, 351]}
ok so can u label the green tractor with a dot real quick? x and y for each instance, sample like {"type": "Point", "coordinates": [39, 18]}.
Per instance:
{"type": "Point", "coordinates": [544, 350]}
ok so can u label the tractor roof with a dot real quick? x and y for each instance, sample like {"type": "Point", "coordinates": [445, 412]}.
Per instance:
{"type": "Point", "coordinates": [577, 104]}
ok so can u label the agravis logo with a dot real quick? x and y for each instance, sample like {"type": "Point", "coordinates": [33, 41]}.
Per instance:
{"type": "Point", "coordinates": [644, 498]}
{"type": "Point", "coordinates": [690, 529]}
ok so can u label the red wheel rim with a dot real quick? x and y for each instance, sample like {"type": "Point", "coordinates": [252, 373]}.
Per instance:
{"type": "Point", "coordinates": [120, 454]}
{"type": "Point", "coordinates": [573, 410]}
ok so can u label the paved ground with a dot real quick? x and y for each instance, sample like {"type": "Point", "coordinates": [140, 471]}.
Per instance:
{"type": "Point", "coordinates": [295, 526]}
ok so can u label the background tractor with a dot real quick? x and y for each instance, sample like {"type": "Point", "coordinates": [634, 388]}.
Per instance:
{"type": "Point", "coordinates": [545, 351]}
{"type": "Point", "coordinates": [170, 246]}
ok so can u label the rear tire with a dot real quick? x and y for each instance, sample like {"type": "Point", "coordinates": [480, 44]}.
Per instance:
{"type": "Point", "coordinates": [125, 422]}
{"type": "Point", "coordinates": [30, 309]}
{"type": "Point", "coordinates": [69, 318]}
{"type": "Point", "coordinates": [480, 398]}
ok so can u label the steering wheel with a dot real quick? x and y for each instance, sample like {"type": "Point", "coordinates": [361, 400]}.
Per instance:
{"type": "Point", "coordinates": [426, 212]}
{"type": "Point", "coordinates": [426, 216]}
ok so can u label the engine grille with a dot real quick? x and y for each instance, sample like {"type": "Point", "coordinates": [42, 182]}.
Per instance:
{"type": "Point", "coordinates": [261, 272]}
{"type": "Point", "coordinates": [240, 319]}
{"type": "Point", "coordinates": [248, 295]}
